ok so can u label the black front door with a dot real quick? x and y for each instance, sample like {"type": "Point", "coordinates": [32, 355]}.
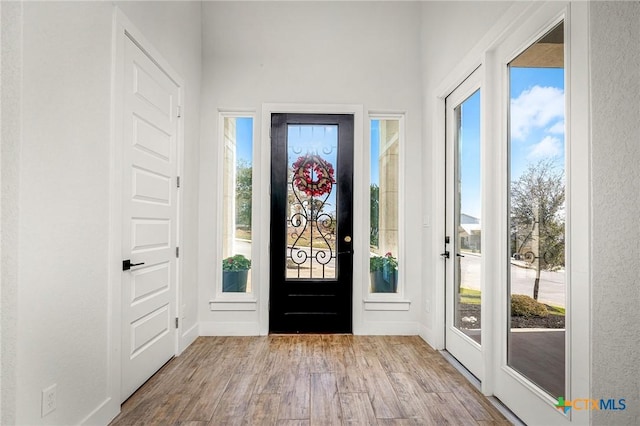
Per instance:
{"type": "Point", "coordinates": [311, 223]}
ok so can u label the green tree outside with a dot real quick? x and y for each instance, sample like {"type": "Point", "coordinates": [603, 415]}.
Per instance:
{"type": "Point", "coordinates": [244, 175]}
{"type": "Point", "coordinates": [374, 192]}
{"type": "Point", "coordinates": [538, 218]}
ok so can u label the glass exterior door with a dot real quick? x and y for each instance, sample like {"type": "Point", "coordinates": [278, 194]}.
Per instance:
{"type": "Point", "coordinates": [536, 336]}
{"type": "Point", "coordinates": [311, 223]}
{"type": "Point", "coordinates": [463, 242]}
{"type": "Point", "coordinates": [537, 375]}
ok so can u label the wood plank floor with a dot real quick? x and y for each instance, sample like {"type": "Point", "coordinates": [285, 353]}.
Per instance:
{"type": "Point", "coordinates": [308, 380]}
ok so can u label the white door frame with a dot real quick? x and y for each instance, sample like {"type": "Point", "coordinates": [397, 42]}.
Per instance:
{"type": "Point", "coordinates": [122, 29]}
{"type": "Point", "coordinates": [462, 347]}
{"type": "Point", "coordinates": [511, 387]}
{"type": "Point", "coordinates": [494, 175]}
{"type": "Point", "coordinates": [360, 234]}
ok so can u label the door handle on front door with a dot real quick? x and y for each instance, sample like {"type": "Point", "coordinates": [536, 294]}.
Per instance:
{"type": "Point", "coordinates": [445, 255]}
{"type": "Point", "coordinates": [126, 264]}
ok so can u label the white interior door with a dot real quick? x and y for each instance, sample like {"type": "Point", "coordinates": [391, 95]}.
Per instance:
{"type": "Point", "coordinates": [463, 242]}
{"type": "Point", "coordinates": [149, 218]}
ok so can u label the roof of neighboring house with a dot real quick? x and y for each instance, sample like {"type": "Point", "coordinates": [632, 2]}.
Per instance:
{"type": "Point", "coordinates": [468, 219]}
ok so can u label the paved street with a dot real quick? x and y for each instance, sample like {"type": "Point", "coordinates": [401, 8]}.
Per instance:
{"type": "Point", "coordinates": [552, 284]}
{"type": "Point", "coordinates": [242, 247]}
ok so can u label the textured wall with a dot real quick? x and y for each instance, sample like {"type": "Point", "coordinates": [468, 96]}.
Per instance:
{"type": "Point", "coordinates": [615, 103]}
{"type": "Point", "coordinates": [57, 61]}
{"type": "Point", "coordinates": [11, 69]}
{"type": "Point", "coordinates": [449, 32]}
{"type": "Point", "coordinates": [63, 206]}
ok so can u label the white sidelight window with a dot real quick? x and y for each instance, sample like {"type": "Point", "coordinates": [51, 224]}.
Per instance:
{"type": "Point", "coordinates": [237, 181]}
{"type": "Point", "coordinates": [386, 138]}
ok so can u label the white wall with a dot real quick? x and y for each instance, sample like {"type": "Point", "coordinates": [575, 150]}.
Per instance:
{"type": "Point", "coordinates": [10, 72]}
{"type": "Point", "coordinates": [64, 181]}
{"type": "Point", "coordinates": [450, 30]}
{"type": "Point", "coordinates": [312, 53]}
{"type": "Point", "coordinates": [61, 209]}
{"type": "Point", "coordinates": [615, 144]}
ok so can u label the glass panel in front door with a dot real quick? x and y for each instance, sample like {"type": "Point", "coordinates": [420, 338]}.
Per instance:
{"type": "Point", "coordinates": [467, 218]}
{"type": "Point", "coordinates": [312, 153]}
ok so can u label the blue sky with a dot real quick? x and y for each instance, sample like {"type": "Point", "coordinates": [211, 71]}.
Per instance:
{"type": "Point", "coordinates": [301, 140]}
{"type": "Point", "coordinates": [375, 152]}
{"type": "Point", "coordinates": [537, 117]}
{"type": "Point", "coordinates": [244, 139]}
{"type": "Point", "coordinates": [537, 132]}
{"type": "Point", "coordinates": [537, 128]}
{"type": "Point", "coordinates": [470, 155]}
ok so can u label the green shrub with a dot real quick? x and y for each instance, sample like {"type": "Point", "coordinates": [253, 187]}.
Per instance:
{"type": "Point", "coordinates": [525, 306]}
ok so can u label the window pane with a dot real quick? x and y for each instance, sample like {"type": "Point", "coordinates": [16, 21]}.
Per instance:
{"type": "Point", "coordinates": [468, 251]}
{"type": "Point", "coordinates": [536, 333]}
{"type": "Point", "coordinates": [236, 204]}
{"type": "Point", "coordinates": [312, 156]}
{"type": "Point", "coordinates": [383, 187]}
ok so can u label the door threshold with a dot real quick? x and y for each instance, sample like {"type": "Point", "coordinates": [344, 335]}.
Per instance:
{"type": "Point", "coordinates": [461, 369]}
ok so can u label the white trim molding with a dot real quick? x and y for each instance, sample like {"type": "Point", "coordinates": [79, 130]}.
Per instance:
{"type": "Point", "coordinates": [389, 328]}
{"type": "Point", "coordinates": [240, 304]}
{"type": "Point", "coordinates": [386, 305]}
{"type": "Point", "coordinates": [220, 328]}
{"type": "Point", "coordinates": [241, 301]}
{"type": "Point", "coordinates": [520, 26]}
{"type": "Point", "coordinates": [387, 301]}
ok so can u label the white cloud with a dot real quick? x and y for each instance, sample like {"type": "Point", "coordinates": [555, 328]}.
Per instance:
{"type": "Point", "coordinates": [547, 148]}
{"type": "Point", "coordinates": [557, 129]}
{"type": "Point", "coordinates": [535, 108]}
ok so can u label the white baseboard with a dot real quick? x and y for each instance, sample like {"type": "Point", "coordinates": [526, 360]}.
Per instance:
{"type": "Point", "coordinates": [431, 337]}
{"type": "Point", "coordinates": [388, 328]}
{"type": "Point", "coordinates": [427, 335]}
{"type": "Point", "coordinates": [103, 414]}
{"type": "Point", "coordinates": [214, 328]}
{"type": "Point", "coordinates": [386, 305]}
{"type": "Point", "coordinates": [189, 336]}
{"type": "Point", "coordinates": [371, 328]}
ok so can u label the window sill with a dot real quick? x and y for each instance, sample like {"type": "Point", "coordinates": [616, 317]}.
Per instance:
{"type": "Point", "coordinates": [386, 305]}
{"type": "Point", "coordinates": [234, 303]}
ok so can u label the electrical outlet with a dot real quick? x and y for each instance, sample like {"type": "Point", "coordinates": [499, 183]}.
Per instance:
{"type": "Point", "coordinates": [49, 399]}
